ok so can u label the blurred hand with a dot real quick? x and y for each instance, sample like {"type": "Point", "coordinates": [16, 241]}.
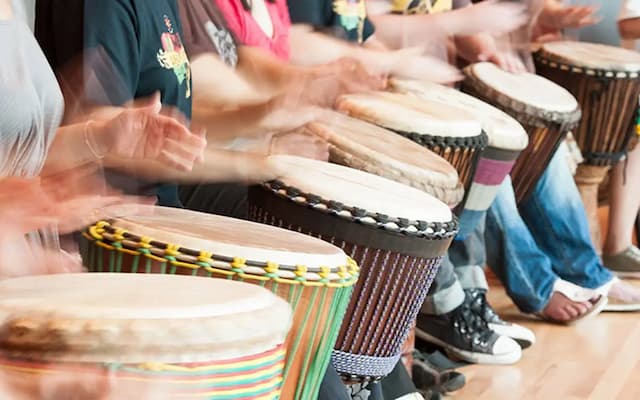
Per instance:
{"type": "Point", "coordinates": [300, 144]}
{"type": "Point", "coordinates": [507, 60]}
{"type": "Point", "coordinates": [556, 16]}
{"type": "Point", "coordinates": [412, 64]}
{"type": "Point", "coordinates": [491, 16]}
{"type": "Point", "coordinates": [144, 133]}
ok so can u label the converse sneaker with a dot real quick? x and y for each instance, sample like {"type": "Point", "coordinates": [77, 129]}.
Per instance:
{"type": "Point", "coordinates": [525, 337]}
{"type": "Point", "coordinates": [466, 336]}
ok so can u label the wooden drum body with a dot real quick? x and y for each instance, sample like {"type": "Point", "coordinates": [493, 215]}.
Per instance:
{"type": "Point", "coordinates": [315, 277]}
{"type": "Point", "coordinates": [606, 82]}
{"type": "Point", "coordinates": [546, 111]}
{"type": "Point", "coordinates": [115, 336]}
{"type": "Point", "coordinates": [506, 140]}
{"type": "Point", "coordinates": [374, 220]}
{"type": "Point", "coordinates": [443, 128]}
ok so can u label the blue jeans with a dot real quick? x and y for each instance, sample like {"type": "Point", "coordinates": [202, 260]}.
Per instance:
{"type": "Point", "coordinates": [547, 239]}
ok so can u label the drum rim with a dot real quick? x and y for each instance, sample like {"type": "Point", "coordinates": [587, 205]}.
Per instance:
{"type": "Point", "coordinates": [546, 57]}
{"type": "Point", "coordinates": [122, 241]}
{"type": "Point", "coordinates": [422, 229]}
{"type": "Point", "coordinates": [533, 115]}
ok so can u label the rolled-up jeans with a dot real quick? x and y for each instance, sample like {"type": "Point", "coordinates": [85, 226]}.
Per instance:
{"type": "Point", "coordinates": [545, 239]}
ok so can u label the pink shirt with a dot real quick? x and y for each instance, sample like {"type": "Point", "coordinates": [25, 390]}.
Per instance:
{"type": "Point", "coordinates": [248, 32]}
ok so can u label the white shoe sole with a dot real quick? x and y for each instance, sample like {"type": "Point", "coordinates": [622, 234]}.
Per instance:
{"type": "Point", "coordinates": [476, 358]}
{"type": "Point", "coordinates": [622, 307]}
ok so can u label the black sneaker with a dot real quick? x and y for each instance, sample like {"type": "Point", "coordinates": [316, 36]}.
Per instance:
{"type": "Point", "coordinates": [524, 336]}
{"type": "Point", "coordinates": [465, 335]}
{"type": "Point", "coordinates": [430, 378]}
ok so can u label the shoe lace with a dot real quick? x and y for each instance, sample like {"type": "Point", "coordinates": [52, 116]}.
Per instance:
{"type": "Point", "coordinates": [481, 306]}
{"type": "Point", "coordinates": [473, 328]}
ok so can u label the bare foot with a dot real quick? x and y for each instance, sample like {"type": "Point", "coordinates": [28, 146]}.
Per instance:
{"type": "Point", "coordinates": [562, 309]}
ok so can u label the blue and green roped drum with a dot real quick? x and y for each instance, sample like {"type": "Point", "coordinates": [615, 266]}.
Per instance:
{"type": "Point", "coordinates": [125, 336]}
{"type": "Point", "coordinates": [315, 277]}
{"type": "Point", "coordinates": [397, 234]}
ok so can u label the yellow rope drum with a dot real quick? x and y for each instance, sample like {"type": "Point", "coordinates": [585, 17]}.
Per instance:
{"type": "Point", "coordinates": [140, 336]}
{"type": "Point", "coordinates": [315, 277]}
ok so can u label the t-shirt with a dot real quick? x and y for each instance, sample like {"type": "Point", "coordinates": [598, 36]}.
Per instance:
{"type": "Point", "coordinates": [420, 6]}
{"type": "Point", "coordinates": [243, 24]}
{"type": "Point", "coordinates": [630, 10]}
{"type": "Point", "coordinates": [206, 31]}
{"type": "Point", "coordinates": [346, 19]}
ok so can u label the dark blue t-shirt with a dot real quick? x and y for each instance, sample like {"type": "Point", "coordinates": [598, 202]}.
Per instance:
{"type": "Point", "coordinates": [346, 19]}
{"type": "Point", "coordinates": [138, 50]}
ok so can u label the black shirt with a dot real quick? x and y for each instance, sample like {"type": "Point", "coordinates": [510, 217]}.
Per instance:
{"type": "Point", "coordinates": [346, 19]}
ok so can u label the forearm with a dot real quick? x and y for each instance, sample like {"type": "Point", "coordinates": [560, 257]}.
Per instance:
{"type": "Point", "coordinates": [629, 28]}
{"type": "Point", "coordinates": [470, 48]}
{"type": "Point", "coordinates": [265, 71]}
{"type": "Point", "coordinates": [218, 166]}
{"type": "Point", "coordinates": [399, 31]}
{"type": "Point", "coordinates": [245, 121]}
{"type": "Point", "coordinates": [312, 48]}
{"type": "Point", "coordinates": [75, 145]}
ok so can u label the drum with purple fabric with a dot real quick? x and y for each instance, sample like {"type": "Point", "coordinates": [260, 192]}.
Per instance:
{"type": "Point", "coordinates": [396, 233]}
{"type": "Point", "coordinates": [441, 127]}
{"type": "Point", "coordinates": [547, 112]}
{"type": "Point", "coordinates": [507, 139]}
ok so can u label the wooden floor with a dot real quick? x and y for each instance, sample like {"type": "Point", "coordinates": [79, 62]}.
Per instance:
{"type": "Point", "coordinates": [598, 359]}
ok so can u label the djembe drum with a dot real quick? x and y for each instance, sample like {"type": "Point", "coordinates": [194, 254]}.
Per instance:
{"type": "Point", "coordinates": [120, 336]}
{"type": "Point", "coordinates": [546, 111]}
{"type": "Point", "coordinates": [445, 129]}
{"type": "Point", "coordinates": [606, 82]}
{"type": "Point", "coordinates": [396, 233]}
{"type": "Point", "coordinates": [370, 148]}
{"type": "Point", "coordinates": [507, 139]}
{"type": "Point", "coordinates": [315, 277]}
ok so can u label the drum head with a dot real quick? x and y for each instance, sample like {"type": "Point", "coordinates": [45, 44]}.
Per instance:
{"type": "Point", "coordinates": [362, 190]}
{"type": "Point", "coordinates": [524, 88]}
{"type": "Point", "coordinates": [411, 115]}
{"type": "Point", "coordinates": [376, 150]}
{"type": "Point", "coordinates": [503, 131]}
{"type": "Point", "coordinates": [592, 56]}
{"type": "Point", "coordinates": [136, 318]}
{"type": "Point", "coordinates": [229, 237]}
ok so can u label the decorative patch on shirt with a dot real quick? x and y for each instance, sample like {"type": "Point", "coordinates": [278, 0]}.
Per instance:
{"type": "Point", "coordinates": [223, 41]}
{"type": "Point", "coordinates": [353, 14]}
{"type": "Point", "coordinates": [174, 57]}
{"type": "Point", "coordinates": [420, 6]}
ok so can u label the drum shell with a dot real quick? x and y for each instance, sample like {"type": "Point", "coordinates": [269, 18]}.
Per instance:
{"type": "Point", "coordinates": [544, 138]}
{"type": "Point", "coordinates": [609, 110]}
{"type": "Point", "coordinates": [315, 309]}
{"type": "Point", "coordinates": [392, 286]}
{"type": "Point", "coordinates": [155, 381]}
{"type": "Point", "coordinates": [462, 156]}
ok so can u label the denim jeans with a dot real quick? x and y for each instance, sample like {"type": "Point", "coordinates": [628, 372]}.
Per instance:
{"type": "Point", "coordinates": [546, 239]}
{"type": "Point", "coordinates": [462, 268]}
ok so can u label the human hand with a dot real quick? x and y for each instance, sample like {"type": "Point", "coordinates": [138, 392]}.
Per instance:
{"type": "Point", "coordinates": [144, 133]}
{"type": "Point", "coordinates": [490, 16]}
{"type": "Point", "coordinates": [410, 63]}
{"type": "Point", "coordinates": [507, 60]}
{"type": "Point", "coordinates": [301, 144]}
{"type": "Point", "coordinates": [555, 17]}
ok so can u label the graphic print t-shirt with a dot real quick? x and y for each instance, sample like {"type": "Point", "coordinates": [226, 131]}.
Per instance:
{"type": "Point", "coordinates": [346, 19]}
{"type": "Point", "coordinates": [206, 31]}
{"type": "Point", "coordinates": [139, 43]}
{"type": "Point", "coordinates": [420, 6]}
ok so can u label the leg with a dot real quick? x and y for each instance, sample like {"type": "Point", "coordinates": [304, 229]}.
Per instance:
{"type": "Point", "coordinates": [446, 293]}
{"type": "Point", "coordinates": [624, 204]}
{"type": "Point", "coordinates": [556, 218]}
{"type": "Point", "coordinates": [514, 255]}
{"type": "Point", "coordinates": [524, 269]}
{"type": "Point", "coordinates": [332, 387]}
